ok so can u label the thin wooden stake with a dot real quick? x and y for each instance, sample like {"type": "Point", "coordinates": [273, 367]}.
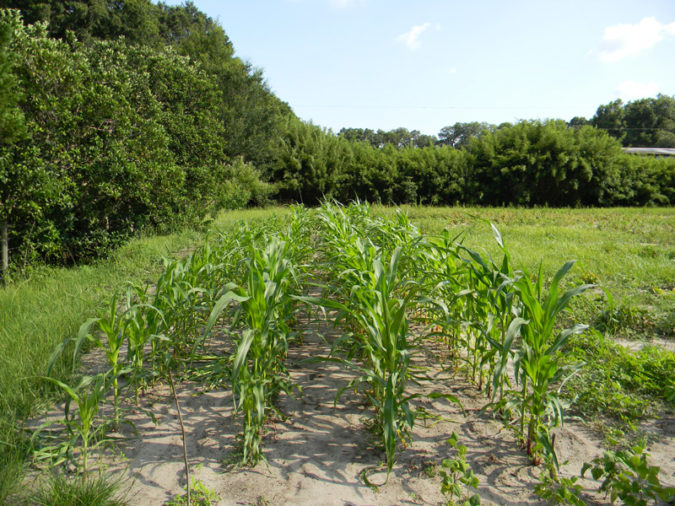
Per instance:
{"type": "Point", "coordinates": [5, 252]}
{"type": "Point", "coordinates": [182, 428]}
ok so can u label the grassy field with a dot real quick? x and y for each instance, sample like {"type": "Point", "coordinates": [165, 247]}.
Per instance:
{"type": "Point", "coordinates": [628, 252]}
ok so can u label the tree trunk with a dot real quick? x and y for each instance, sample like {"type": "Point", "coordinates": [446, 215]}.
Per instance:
{"type": "Point", "coordinates": [5, 252]}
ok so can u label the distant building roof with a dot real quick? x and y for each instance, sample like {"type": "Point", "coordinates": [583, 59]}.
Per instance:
{"type": "Point", "coordinates": [651, 151]}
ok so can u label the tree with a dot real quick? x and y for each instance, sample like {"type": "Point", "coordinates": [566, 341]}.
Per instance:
{"type": "Point", "coordinates": [578, 122]}
{"type": "Point", "coordinates": [645, 122]}
{"type": "Point", "coordinates": [251, 116]}
{"type": "Point", "coordinates": [544, 163]}
{"type": "Point", "coordinates": [610, 117]}
{"type": "Point", "coordinates": [459, 134]}
{"type": "Point", "coordinates": [12, 125]}
{"type": "Point", "coordinates": [650, 122]}
{"type": "Point", "coordinates": [398, 137]}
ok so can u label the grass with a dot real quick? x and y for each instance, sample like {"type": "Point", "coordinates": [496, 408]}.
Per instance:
{"type": "Point", "coordinates": [62, 491]}
{"type": "Point", "coordinates": [628, 251]}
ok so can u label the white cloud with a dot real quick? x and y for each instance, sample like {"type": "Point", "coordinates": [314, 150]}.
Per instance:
{"type": "Point", "coordinates": [632, 90]}
{"type": "Point", "coordinates": [624, 40]}
{"type": "Point", "coordinates": [411, 37]}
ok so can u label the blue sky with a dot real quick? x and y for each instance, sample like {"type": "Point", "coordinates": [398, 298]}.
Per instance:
{"type": "Point", "coordinates": [425, 64]}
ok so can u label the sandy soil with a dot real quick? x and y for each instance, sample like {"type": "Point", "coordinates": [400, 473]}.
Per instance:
{"type": "Point", "coordinates": [316, 456]}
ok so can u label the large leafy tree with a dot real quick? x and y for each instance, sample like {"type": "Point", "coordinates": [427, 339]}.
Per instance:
{"type": "Point", "coordinates": [398, 137]}
{"type": "Point", "coordinates": [610, 117]}
{"type": "Point", "coordinates": [25, 188]}
{"type": "Point", "coordinates": [252, 117]}
{"type": "Point", "coordinates": [650, 122]}
{"type": "Point", "coordinates": [93, 19]}
{"type": "Point", "coordinates": [460, 134]}
{"type": "Point", "coordinates": [643, 123]}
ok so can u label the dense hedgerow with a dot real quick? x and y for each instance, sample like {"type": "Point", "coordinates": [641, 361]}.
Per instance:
{"type": "Point", "coordinates": [531, 163]}
{"type": "Point", "coordinates": [115, 138]}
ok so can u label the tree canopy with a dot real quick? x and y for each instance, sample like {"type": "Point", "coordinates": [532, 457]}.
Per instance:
{"type": "Point", "coordinates": [648, 122]}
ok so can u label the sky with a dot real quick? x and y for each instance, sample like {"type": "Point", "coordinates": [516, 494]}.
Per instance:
{"type": "Point", "coordinates": [426, 64]}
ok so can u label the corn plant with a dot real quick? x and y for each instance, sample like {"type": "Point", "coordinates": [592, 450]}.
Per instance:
{"type": "Point", "coordinates": [537, 365]}
{"type": "Point", "coordinates": [258, 372]}
{"type": "Point", "coordinates": [441, 272]}
{"type": "Point", "coordinates": [378, 304]}
{"type": "Point", "coordinates": [182, 304]}
{"type": "Point", "coordinates": [113, 325]}
{"type": "Point", "coordinates": [144, 322]}
{"type": "Point", "coordinates": [489, 309]}
{"type": "Point", "coordinates": [88, 395]}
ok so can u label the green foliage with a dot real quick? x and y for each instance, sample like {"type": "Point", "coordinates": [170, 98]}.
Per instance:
{"type": "Point", "coordinates": [11, 117]}
{"type": "Point", "coordinates": [528, 164]}
{"type": "Point", "coordinates": [628, 476]}
{"type": "Point", "coordinates": [63, 491]}
{"type": "Point", "coordinates": [399, 137]}
{"type": "Point", "coordinates": [645, 122]}
{"type": "Point", "coordinates": [242, 187]}
{"type": "Point", "coordinates": [459, 135]}
{"type": "Point", "coordinates": [121, 137]}
{"type": "Point", "coordinates": [535, 163]}
{"type": "Point", "coordinates": [618, 383]}
{"type": "Point", "coordinates": [456, 473]}
{"type": "Point", "coordinates": [200, 495]}
{"type": "Point", "coordinates": [555, 489]}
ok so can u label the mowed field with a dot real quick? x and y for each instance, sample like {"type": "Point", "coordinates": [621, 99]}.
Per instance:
{"type": "Point", "coordinates": [628, 253]}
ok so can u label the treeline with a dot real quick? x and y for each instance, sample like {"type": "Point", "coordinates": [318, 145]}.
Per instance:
{"type": "Point", "coordinates": [648, 122]}
{"type": "Point", "coordinates": [529, 163]}
{"type": "Point", "coordinates": [118, 116]}
{"type": "Point", "coordinates": [103, 138]}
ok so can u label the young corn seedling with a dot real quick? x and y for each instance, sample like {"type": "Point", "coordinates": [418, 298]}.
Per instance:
{"type": "Point", "coordinates": [490, 309]}
{"type": "Point", "coordinates": [144, 322]}
{"type": "Point", "coordinates": [441, 271]}
{"type": "Point", "coordinates": [537, 363]}
{"type": "Point", "coordinates": [113, 326]}
{"type": "Point", "coordinates": [88, 395]}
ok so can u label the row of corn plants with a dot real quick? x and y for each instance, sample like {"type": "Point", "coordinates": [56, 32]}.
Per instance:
{"type": "Point", "coordinates": [240, 282]}
{"type": "Point", "coordinates": [366, 264]}
{"type": "Point", "coordinates": [505, 328]}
